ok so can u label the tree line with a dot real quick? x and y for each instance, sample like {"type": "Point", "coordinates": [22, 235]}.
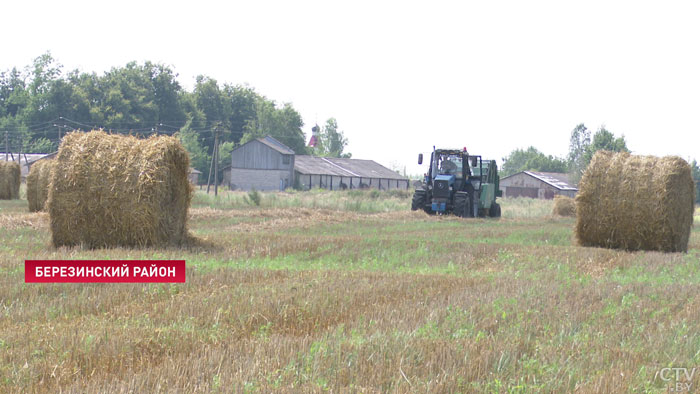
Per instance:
{"type": "Point", "coordinates": [41, 102]}
{"type": "Point", "coordinates": [582, 147]}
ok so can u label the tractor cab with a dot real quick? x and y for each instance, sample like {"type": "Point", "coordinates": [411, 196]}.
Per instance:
{"type": "Point", "coordinates": [458, 182]}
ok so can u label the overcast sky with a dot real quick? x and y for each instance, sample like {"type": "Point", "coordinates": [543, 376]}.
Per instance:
{"type": "Point", "coordinates": [402, 76]}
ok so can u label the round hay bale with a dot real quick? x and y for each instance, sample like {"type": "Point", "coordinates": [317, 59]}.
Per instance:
{"type": "Point", "coordinates": [38, 181]}
{"type": "Point", "coordinates": [635, 203]}
{"type": "Point", "coordinates": [564, 206]}
{"type": "Point", "coordinates": [114, 190]}
{"type": "Point", "coordinates": [9, 180]}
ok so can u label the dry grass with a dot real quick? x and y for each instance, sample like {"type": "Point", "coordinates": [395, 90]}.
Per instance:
{"type": "Point", "coordinates": [33, 220]}
{"type": "Point", "coordinates": [319, 300]}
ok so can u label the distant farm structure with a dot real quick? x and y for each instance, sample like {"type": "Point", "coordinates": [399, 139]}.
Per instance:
{"type": "Point", "coordinates": [266, 164]}
{"type": "Point", "coordinates": [542, 185]}
{"type": "Point", "coordinates": [193, 176]}
{"type": "Point", "coordinates": [25, 160]}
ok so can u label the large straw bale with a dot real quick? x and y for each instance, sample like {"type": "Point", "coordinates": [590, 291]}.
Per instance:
{"type": "Point", "coordinates": [635, 203]}
{"type": "Point", "coordinates": [38, 181]}
{"type": "Point", "coordinates": [9, 180]}
{"type": "Point", "coordinates": [564, 206]}
{"type": "Point", "coordinates": [113, 190]}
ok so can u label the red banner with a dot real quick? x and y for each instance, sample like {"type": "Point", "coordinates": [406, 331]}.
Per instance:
{"type": "Point", "coordinates": [104, 271]}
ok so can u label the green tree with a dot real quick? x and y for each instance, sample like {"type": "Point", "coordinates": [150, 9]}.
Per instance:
{"type": "Point", "coordinates": [199, 157]}
{"type": "Point", "coordinates": [242, 102]}
{"type": "Point", "coordinates": [582, 149]}
{"type": "Point", "coordinates": [167, 94]}
{"type": "Point", "coordinates": [84, 102]}
{"type": "Point", "coordinates": [531, 159]}
{"type": "Point", "coordinates": [284, 124]}
{"type": "Point", "coordinates": [331, 142]}
{"type": "Point", "coordinates": [578, 145]}
{"type": "Point", "coordinates": [136, 98]}
{"type": "Point", "coordinates": [210, 100]}
{"type": "Point", "coordinates": [14, 96]}
{"type": "Point", "coordinates": [128, 99]}
{"type": "Point", "coordinates": [40, 145]}
{"type": "Point", "coordinates": [604, 140]}
{"type": "Point", "coordinates": [696, 177]}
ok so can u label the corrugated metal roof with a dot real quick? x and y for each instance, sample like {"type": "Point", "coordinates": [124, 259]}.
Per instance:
{"type": "Point", "coordinates": [26, 158]}
{"type": "Point", "coordinates": [276, 145]}
{"type": "Point", "coordinates": [313, 165]}
{"type": "Point", "coordinates": [558, 180]}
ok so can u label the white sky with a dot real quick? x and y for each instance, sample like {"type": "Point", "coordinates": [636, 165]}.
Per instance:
{"type": "Point", "coordinates": [402, 76]}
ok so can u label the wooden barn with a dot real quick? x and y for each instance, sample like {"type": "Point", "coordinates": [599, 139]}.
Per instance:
{"type": "Point", "coordinates": [544, 185]}
{"type": "Point", "coordinates": [193, 176]}
{"type": "Point", "coordinates": [267, 164]}
{"type": "Point", "coordinates": [262, 164]}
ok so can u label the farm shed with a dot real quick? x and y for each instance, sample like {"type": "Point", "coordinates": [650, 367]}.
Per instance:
{"type": "Point", "coordinates": [267, 164]}
{"type": "Point", "coordinates": [336, 173]}
{"type": "Point", "coordinates": [544, 185]}
{"type": "Point", "coordinates": [262, 164]}
{"type": "Point", "coordinates": [193, 176]}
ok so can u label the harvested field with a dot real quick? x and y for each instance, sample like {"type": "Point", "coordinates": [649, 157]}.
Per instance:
{"type": "Point", "coordinates": [306, 300]}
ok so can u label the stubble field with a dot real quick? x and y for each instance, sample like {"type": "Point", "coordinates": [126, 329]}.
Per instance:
{"type": "Point", "coordinates": [352, 292]}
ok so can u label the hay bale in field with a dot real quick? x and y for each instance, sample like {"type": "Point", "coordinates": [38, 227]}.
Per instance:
{"type": "Point", "coordinates": [564, 206]}
{"type": "Point", "coordinates": [113, 190]}
{"type": "Point", "coordinates": [9, 180]}
{"type": "Point", "coordinates": [635, 203]}
{"type": "Point", "coordinates": [38, 181]}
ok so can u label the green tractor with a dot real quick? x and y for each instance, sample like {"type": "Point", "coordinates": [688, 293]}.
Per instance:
{"type": "Point", "coordinates": [458, 183]}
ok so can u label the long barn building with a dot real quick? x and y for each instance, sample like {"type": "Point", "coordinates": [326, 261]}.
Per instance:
{"type": "Point", "coordinates": [543, 185]}
{"type": "Point", "coordinates": [267, 164]}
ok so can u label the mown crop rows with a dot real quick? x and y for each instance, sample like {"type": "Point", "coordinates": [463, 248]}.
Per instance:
{"type": "Point", "coordinates": [300, 299]}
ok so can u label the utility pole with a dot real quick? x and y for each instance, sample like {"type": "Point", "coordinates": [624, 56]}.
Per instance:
{"type": "Point", "coordinates": [60, 118]}
{"type": "Point", "coordinates": [211, 166]}
{"type": "Point", "coordinates": [19, 156]}
{"type": "Point", "coordinates": [216, 164]}
{"type": "Point", "coordinates": [60, 133]}
{"type": "Point", "coordinates": [213, 157]}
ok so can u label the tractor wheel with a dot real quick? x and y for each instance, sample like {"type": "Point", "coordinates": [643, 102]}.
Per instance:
{"type": "Point", "coordinates": [495, 210]}
{"type": "Point", "coordinates": [460, 205]}
{"type": "Point", "coordinates": [418, 201]}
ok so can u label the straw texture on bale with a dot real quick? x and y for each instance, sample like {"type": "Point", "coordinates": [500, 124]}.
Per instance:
{"type": "Point", "coordinates": [635, 203]}
{"type": "Point", "coordinates": [9, 180]}
{"type": "Point", "coordinates": [113, 190]}
{"type": "Point", "coordinates": [564, 206]}
{"type": "Point", "coordinates": [38, 181]}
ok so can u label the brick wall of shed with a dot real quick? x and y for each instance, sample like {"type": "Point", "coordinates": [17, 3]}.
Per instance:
{"type": "Point", "coordinates": [263, 180]}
